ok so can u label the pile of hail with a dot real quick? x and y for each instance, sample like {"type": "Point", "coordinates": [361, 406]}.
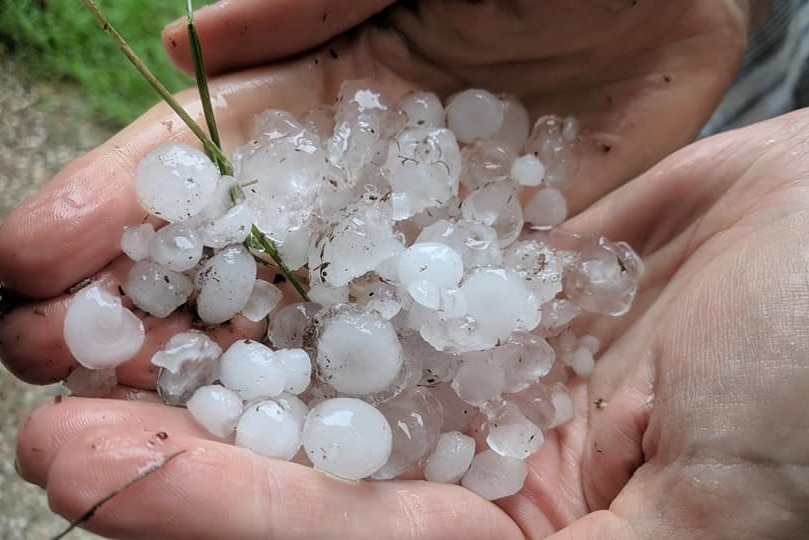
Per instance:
{"type": "Point", "coordinates": [438, 294]}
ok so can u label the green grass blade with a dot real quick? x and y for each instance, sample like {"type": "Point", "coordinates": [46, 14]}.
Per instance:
{"type": "Point", "coordinates": [202, 79]}
{"type": "Point", "coordinates": [260, 241]}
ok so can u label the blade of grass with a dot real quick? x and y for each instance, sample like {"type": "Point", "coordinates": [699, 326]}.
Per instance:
{"type": "Point", "coordinates": [258, 240]}
{"type": "Point", "coordinates": [202, 79]}
{"type": "Point", "coordinates": [210, 147]}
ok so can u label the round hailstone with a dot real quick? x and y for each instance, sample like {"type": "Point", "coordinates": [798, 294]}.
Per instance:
{"type": "Point", "coordinates": [294, 406]}
{"type": "Point", "coordinates": [516, 307]}
{"type": "Point", "coordinates": [582, 362]}
{"type": "Point", "coordinates": [516, 124]}
{"type": "Point", "coordinates": [478, 381]}
{"type": "Point", "coordinates": [251, 369]}
{"type": "Point", "coordinates": [485, 161]}
{"type": "Point", "coordinates": [231, 227]}
{"type": "Point", "coordinates": [347, 437]}
{"type": "Point", "coordinates": [493, 476]}
{"type": "Point", "coordinates": [270, 430]}
{"type": "Point", "coordinates": [189, 360]}
{"type": "Point", "coordinates": [177, 247]}
{"type": "Point", "coordinates": [358, 352]}
{"type": "Point", "coordinates": [474, 114]}
{"type": "Point", "coordinates": [156, 289]}
{"type": "Point", "coordinates": [451, 458]}
{"type": "Point", "coordinates": [263, 299]}
{"type": "Point", "coordinates": [135, 241]}
{"type": "Point", "coordinates": [423, 109]}
{"type": "Point", "coordinates": [430, 261]}
{"type": "Point", "coordinates": [564, 410]}
{"type": "Point", "coordinates": [216, 408]}
{"type": "Point", "coordinates": [291, 323]}
{"type": "Point", "coordinates": [297, 369]}
{"type": "Point", "coordinates": [547, 208]}
{"type": "Point", "coordinates": [415, 419]}
{"type": "Point", "coordinates": [175, 181]}
{"type": "Point", "coordinates": [497, 205]}
{"type": "Point", "coordinates": [511, 434]}
{"type": "Point", "coordinates": [99, 332]}
{"type": "Point", "coordinates": [525, 358]}
{"type": "Point", "coordinates": [527, 170]}
{"type": "Point", "coordinates": [553, 141]}
{"type": "Point", "coordinates": [225, 284]}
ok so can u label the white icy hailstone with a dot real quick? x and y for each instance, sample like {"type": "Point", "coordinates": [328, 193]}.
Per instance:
{"type": "Point", "coordinates": [347, 437]}
{"type": "Point", "coordinates": [176, 246]}
{"type": "Point", "coordinates": [251, 369]}
{"type": "Point", "coordinates": [474, 114]}
{"type": "Point", "coordinates": [476, 243]}
{"type": "Point", "coordinates": [189, 360]}
{"type": "Point", "coordinates": [290, 323]}
{"type": "Point", "coordinates": [423, 168]}
{"type": "Point", "coordinates": [563, 407]}
{"type": "Point", "coordinates": [485, 161]}
{"type": "Point", "coordinates": [451, 459]}
{"type": "Point", "coordinates": [525, 358]}
{"type": "Point", "coordinates": [422, 109]}
{"type": "Point", "coordinates": [511, 434]}
{"type": "Point", "coordinates": [270, 430]}
{"type": "Point", "coordinates": [99, 332]}
{"type": "Point", "coordinates": [358, 351]}
{"type": "Point", "coordinates": [477, 380]}
{"type": "Point", "coordinates": [135, 241]}
{"type": "Point", "coordinates": [497, 205]}
{"type": "Point", "coordinates": [175, 181]}
{"type": "Point", "coordinates": [527, 170]}
{"type": "Point", "coordinates": [500, 302]}
{"type": "Point", "coordinates": [156, 289]}
{"type": "Point", "coordinates": [415, 420]}
{"type": "Point", "coordinates": [547, 208]}
{"type": "Point", "coordinates": [357, 244]}
{"type": "Point", "coordinates": [263, 299]}
{"type": "Point", "coordinates": [328, 296]}
{"type": "Point", "coordinates": [430, 261]}
{"type": "Point", "coordinates": [538, 265]}
{"type": "Point", "coordinates": [216, 408]}
{"type": "Point", "coordinates": [493, 476]}
{"type": "Point", "coordinates": [286, 175]}
{"type": "Point", "coordinates": [553, 141]}
{"type": "Point", "coordinates": [425, 293]}
{"type": "Point", "coordinates": [297, 369]}
{"type": "Point", "coordinates": [516, 124]}
{"type": "Point", "coordinates": [231, 227]}
{"type": "Point", "coordinates": [581, 360]}
{"type": "Point", "coordinates": [224, 284]}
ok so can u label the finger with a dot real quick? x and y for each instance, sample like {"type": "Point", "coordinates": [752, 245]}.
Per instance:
{"type": "Point", "coordinates": [261, 498]}
{"type": "Point", "coordinates": [71, 228]}
{"type": "Point", "coordinates": [32, 343]}
{"type": "Point", "coordinates": [236, 35]}
{"type": "Point", "coordinates": [54, 423]}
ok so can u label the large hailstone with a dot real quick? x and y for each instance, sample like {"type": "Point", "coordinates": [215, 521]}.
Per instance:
{"type": "Point", "coordinates": [99, 332]}
{"type": "Point", "coordinates": [347, 438]}
{"type": "Point", "coordinates": [175, 181]}
{"type": "Point", "coordinates": [358, 352]}
{"type": "Point", "coordinates": [224, 284]}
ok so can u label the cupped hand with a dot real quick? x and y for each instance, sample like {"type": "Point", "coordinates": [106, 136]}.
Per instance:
{"type": "Point", "coordinates": [642, 77]}
{"type": "Point", "coordinates": [693, 424]}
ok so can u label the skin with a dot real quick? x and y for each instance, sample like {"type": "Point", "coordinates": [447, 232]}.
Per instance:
{"type": "Point", "coordinates": [702, 434]}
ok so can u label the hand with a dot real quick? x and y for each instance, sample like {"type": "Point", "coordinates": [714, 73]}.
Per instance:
{"type": "Point", "coordinates": [703, 433]}
{"type": "Point", "coordinates": [641, 76]}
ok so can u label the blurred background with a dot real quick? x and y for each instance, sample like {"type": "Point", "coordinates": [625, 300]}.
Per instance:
{"type": "Point", "coordinates": [64, 89]}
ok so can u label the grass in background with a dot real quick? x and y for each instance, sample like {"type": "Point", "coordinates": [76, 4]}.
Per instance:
{"type": "Point", "coordinates": [59, 39]}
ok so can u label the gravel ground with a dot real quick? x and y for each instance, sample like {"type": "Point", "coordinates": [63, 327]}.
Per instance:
{"type": "Point", "coordinates": [42, 127]}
